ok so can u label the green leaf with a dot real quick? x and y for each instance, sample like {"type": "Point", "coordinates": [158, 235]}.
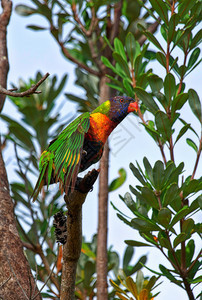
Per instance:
{"type": "Point", "coordinates": [24, 10]}
{"type": "Point", "coordinates": [166, 273]}
{"type": "Point", "coordinates": [155, 82]}
{"type": "Point", "coordinates": [151, 37]}
{"type": "Point", "coordinates": [148, 169]}
{"type": "Point", "coordinates": [195, 104]}
{"type": "Point", "coordinates": [127, 257]}
{"type": "Point", "coordinates": [122, 63]}
{"type": "Point", "coordinates": [174, 20]}
{"type": "Point", "coordinates": [116, 183]}
{"type": "Point", "coordinates": [193, 58]}
{"type": "Point", "coordinates": [107, 63]}
{"type": "Point", "coordinates": [147, 100]}
{"type": "Point", "coordinates": [163, 124]}
{"type": "Point", "coordinates": [187, 225]}
{"type": "Point", "coordinates": [185, 6]}
{"type": "Point", "coordinates": [161, 59]}
{"type": "Point", "coordinates": [131, 48]}
{"type": "Point", "coordinates": [170, 194]}
{"type": "Point", "coordinates": [179, 215]}
{"type": "Point", "coordinates": [118, 47]}
{"type": "Point", "coordinates": [139, 281]}
{"type": "Point", "coordinates": [196, 39]}
{"type": "Point", "coordinates": [136, 243]}
{"type": "Point", "coordinates": [137, 174]}
{"type": "Point", "coordinates": [161, 8]}
{"type": "Point", "coordinates": [128, 200]}
{"type": "Point", "coordinates": [144, 225]}
{"type": "Point", "coordinates": [158, 175]}
{"type": "Point", "coordinates": [183, 130]}
{"type": "Point", "coordinates": [164, 216]}
{"type": "Point", "coordinates": [36, 28]}
{"type": "Point", "coordinates": [149, 197]}
{"type": "Point", "coordinates": [179, 239]}
{"type": "Point", "coordinates": [192, 144]}
{"type": "Point", "coordinates": [169, 87]}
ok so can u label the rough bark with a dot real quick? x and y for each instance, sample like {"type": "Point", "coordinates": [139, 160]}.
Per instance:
{"type": "Point", "coordinates": [16, 280]}
{"type": "Point", "coordinates": [103, 209]}
{"type": "Point", "coordinates": [4, 65]}
{"type": "Point", "coordinates": [72, 248]}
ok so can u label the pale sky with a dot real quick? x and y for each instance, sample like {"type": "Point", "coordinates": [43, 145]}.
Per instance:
{"type": "Point", "coordinates": [30, 52]}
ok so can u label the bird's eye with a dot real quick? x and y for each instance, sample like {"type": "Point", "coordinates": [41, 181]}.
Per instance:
{"type": "Point", "coordinates": [121, 100]}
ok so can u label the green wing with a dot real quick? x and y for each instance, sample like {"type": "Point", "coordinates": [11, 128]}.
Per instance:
{"type": "Point", "coordinates": [63, 156]}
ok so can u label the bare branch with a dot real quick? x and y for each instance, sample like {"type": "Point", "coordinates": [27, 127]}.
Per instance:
{"type": "Point", "coordinates": [30, 91]}
{"type": "Point", "coordinates": [4, 64]}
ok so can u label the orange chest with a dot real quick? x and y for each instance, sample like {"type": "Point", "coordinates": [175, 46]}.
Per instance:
{"type": "Point", "coordinates": [100, 127]}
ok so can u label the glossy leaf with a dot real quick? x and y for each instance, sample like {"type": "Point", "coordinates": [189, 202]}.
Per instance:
{"type": "Point", "coordinates": [170, 194]}
{"type": "Point", "coordinates": [156, 83]}
{"type": "Point", "coordinates": [179, 215]}
{"type": "Point", "coordinates": [161, 59]}
{"type": "Point", "coordinates": [149, 197]}
{"type": "Point", "coordinates": [131, 48]}
{"type": "Point", "coordinates": [136, 243]}
{"type": "Point", "coordinates": [161, 8]}
{"type": "Point", "coordinates": [163, 124]}
{"type": "Point", "coordinates": [195, 104]}
{"type": "Point", "coordinates": [164, 216]}
{"type": "Point", "coordinates": [24, 10]}
{"type": "Point", "coordinates": [158, 175]}
{"type": "Point", "coordinates": [118, 47]}
{"type": "Point", "coordinates": [147, 100]}
{"type": "Point", "coordinates": [122, 63]}
{"type": "Point", "coordinates": [169, 87]}
{"type": "Point", "coordinates": [188, 225]}
{"type": "Point", "coordinates": [137, 174]}
{"type": "Point", "coordinates": [127, 256]}
{"type": "Point", "coordinates": [118, 182]}
{"type": "Point", "coordinates": [148, 169]}
{"type": "Point", "coordinates": [192, 144]}
{"type": "Point", "coordinates": [128, 200]}
{"type": "Point", "coordinates": [183, 130]}
{"type": "Point", "coordinates": [179, 239]}
{"type": "Point", "coordinates": [151, 38]}
{"type": "Point", "coordinates": [174, 20]}
{"type": "Point", "coordinates": [193, 58]}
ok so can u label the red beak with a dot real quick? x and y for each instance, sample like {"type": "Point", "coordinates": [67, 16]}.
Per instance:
{"type": "Point", "coordinates": [132, 107]}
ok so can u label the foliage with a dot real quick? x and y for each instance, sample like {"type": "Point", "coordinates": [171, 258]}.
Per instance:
{"type": "Point", "coordinates": [141, 289]}
{"type": "Point", "coordinates": [166, 202]}
{"type": "Point", "coordinates": [86, 269]}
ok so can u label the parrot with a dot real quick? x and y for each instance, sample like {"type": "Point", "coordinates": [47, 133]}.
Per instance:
{"type": "Point", "coordinates": [81, 144]}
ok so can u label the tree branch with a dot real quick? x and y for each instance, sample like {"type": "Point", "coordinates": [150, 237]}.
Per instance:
{"type": "Point", "coordinates": [28, 92]}
{"type": "Point", "coordinates": [4, 64]}
{"type": "Point", "coordinates": [72, 248]}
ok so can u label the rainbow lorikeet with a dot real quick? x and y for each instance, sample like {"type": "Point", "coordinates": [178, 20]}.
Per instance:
{"type": "Point", "coordinates": [81, 144]}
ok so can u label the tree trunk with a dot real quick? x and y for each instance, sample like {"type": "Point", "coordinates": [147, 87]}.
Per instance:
{"type": "Point", "coordinates": [103, 209]}
{"type": "Point", "coordinates": [16, 280]}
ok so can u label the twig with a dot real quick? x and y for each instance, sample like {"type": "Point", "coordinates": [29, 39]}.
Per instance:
{"type": "Point", "coordinates": [28, 92]}
{"type": "Point", "coordinates": [197, 158]}
{"type": "Point", "coordinates": [2, 284]}
{"type": "Point", "coordinates": [49, 276]}
{"type": "Point", "coordinates": [26, 297]}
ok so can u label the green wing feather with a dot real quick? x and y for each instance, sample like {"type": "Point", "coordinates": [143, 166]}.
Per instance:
{"type": "Point", "coordinates": [63, 156]}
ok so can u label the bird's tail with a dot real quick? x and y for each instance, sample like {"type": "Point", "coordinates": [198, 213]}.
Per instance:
{"type": "Point", "coordinates": [46, 167]}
